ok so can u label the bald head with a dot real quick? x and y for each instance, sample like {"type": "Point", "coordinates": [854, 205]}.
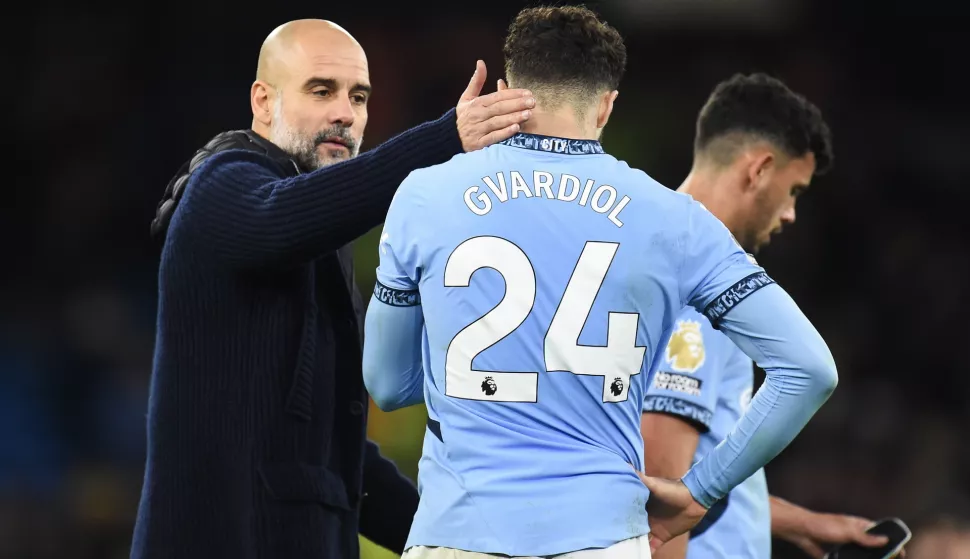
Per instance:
{"type": "Point", "coordinates": [295, 40]}
{"type": "Point", "coordinates": [311, 91]}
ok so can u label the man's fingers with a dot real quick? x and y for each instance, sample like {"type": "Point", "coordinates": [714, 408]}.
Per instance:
{"type": "Point", "coordinates": [655, 485]}
{"type": "Point", "coordinates": [504, 121]}
{"type": "Point", "coordinates": [871, 540]}
{"type": "Point", "coordinates": [864, 538]}
{"type": "Point", "coordinates": [641, 475]}
{"type": "Point", "coordinates": [476, 83]}
{"type": "Point", "coordinates": [499, 135]}
{"type": "Point", "coordinates": [509, 106]}
{"type": "Point", "coordinates": [504, 95]}
{"type": "Point", "coordinates": [501, 85]}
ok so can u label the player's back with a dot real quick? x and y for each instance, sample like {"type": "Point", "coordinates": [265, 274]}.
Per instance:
{"type": "Point", "coordinates": [548, 273]}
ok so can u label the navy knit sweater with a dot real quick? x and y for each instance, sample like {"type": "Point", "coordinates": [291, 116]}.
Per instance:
{"type": "Point", "coordinates": [257, 412]}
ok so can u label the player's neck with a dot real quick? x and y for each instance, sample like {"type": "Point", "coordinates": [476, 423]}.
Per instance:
{"type": "Point", "coordinates": [704, 186]}
{"type": "Point", "coordinates": [561, 123]}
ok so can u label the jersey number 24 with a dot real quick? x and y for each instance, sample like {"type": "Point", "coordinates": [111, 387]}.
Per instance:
{"type": "Point", "coordinates": [616, 362]}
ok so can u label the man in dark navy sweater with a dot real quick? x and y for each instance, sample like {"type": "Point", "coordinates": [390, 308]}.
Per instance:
{"type": "Point", "coordinates": [257, 414]}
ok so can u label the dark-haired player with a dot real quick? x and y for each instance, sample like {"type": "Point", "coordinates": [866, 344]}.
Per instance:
{"type": "Point", "coordinates": [757, 147]}
{"type": "Point", "coordinates": [524, 291]}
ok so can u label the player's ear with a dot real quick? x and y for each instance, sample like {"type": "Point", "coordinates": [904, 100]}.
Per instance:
{"type": "Point", "coordinates": [605, 108]}
{"type": "Point", "coordinates": [760, 166]}
{"type": "Point", "coordinates": [260, 99]}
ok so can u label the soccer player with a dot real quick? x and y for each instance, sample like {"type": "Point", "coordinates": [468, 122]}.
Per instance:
{"type": "Point", "coordinates": [523, 294]}
{"type": "Point", "coordinates": [757, 147]}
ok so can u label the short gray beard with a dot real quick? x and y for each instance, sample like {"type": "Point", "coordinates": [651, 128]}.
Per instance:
{"type": "Point", "coordinates": [302, 147]}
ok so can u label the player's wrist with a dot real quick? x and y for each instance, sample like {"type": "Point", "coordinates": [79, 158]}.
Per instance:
{"type": "Point", "coordinates": [696, 509]}
{"type": "Point", "coordinates": [791, 522]}
{"type": "Point", "coordinates": [697, 492]}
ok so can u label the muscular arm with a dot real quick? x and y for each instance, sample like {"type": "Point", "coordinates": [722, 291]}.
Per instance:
{"type": "Point", "coordinates": [238, 204]}
{"type": "Point", "coordinates": [669, 445]}
{"type": "Point", "coordinates": [813, 532]}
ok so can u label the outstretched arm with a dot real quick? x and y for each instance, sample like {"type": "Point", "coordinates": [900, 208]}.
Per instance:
{"type": "Point", "coordinates": [238, 204]}
{"type": "Point", "coordinates": [813, 531]}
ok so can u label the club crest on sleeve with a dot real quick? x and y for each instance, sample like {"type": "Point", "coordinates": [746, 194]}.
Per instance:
{"type": "Point", "coordinates": [685, 351]}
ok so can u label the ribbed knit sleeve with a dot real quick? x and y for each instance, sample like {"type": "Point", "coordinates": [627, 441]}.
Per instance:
{"type": "Point", "coordinates": [238, 204]}
{"type": "Point", "coordinates": [390, 503]}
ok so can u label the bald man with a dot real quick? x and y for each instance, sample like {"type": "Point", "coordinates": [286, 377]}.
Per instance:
{"type": "Point", "coordinates": [257, 413]}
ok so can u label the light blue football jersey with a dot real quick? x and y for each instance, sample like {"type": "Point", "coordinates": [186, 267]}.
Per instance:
{"type": "Point", "coordinates": [704, 378]}
{"type": "Point", "coordinates": [548, 272]}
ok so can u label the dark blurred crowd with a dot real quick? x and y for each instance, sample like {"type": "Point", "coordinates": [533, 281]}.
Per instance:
{"type": "Point", "coordinates": [109, 107]}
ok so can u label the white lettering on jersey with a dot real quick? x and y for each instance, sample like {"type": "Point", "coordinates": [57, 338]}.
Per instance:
{"type": "Point", "coordinates": [602, 199]}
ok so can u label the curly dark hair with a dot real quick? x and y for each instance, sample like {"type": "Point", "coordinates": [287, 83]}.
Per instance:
{"type": "Point", "coordinates": [762, 107]}
{"type": "Point", "coordinates": [563, 47]}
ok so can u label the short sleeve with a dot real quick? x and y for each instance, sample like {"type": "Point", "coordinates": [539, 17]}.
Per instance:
{"type": "Point", "coordinates": [687, 380]}
{"type": "Point", "coordinates": [716, 274]}
{"type": "Point", "coordinates": [399, 268]}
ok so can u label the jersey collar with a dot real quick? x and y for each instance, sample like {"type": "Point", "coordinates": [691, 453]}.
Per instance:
{"type": "Point", "coordinates": [552, 144]}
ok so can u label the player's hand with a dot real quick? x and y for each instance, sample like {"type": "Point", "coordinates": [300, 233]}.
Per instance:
{"type": "Point", "coordinates": [486, 119]}
{"type": "Point", "coordinates": [671, 509]}
{"type": "Point", "coordinates": [825, 530]}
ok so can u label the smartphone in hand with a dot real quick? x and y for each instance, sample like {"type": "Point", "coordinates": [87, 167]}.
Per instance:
{"type": "Point", "coordinates": [893, 528]}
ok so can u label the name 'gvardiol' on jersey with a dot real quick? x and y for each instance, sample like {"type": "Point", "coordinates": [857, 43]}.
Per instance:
{"type": "Point", "coordinates": [602, 198]}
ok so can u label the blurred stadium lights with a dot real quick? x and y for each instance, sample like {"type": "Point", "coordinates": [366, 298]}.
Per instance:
{"type": "Point", "coordinates": [750, 15]}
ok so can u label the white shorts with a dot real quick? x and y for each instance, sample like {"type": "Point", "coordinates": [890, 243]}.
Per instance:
{"type": "Point", "coordinates": [633, 548]}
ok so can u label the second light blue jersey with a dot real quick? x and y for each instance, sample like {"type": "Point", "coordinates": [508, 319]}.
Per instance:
{"type": "Point", "coordinates": [547, 273]}
{"type": "Point", "coordinates": [705, 379]}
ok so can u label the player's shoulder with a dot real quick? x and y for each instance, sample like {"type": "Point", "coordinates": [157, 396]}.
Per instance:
{"type": "Point", "coordinates": [444, 174]}
{"type": "Point", "coordinates": [689, 320]}
{"type": "Point", "coordinates": [658, 192]}
{"type": "Point", "coordinates": [465, 160]}
{"type": "Point", "coordinates": [235, 164]}
{"type": "Point", "coordinates": [665, 206]}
